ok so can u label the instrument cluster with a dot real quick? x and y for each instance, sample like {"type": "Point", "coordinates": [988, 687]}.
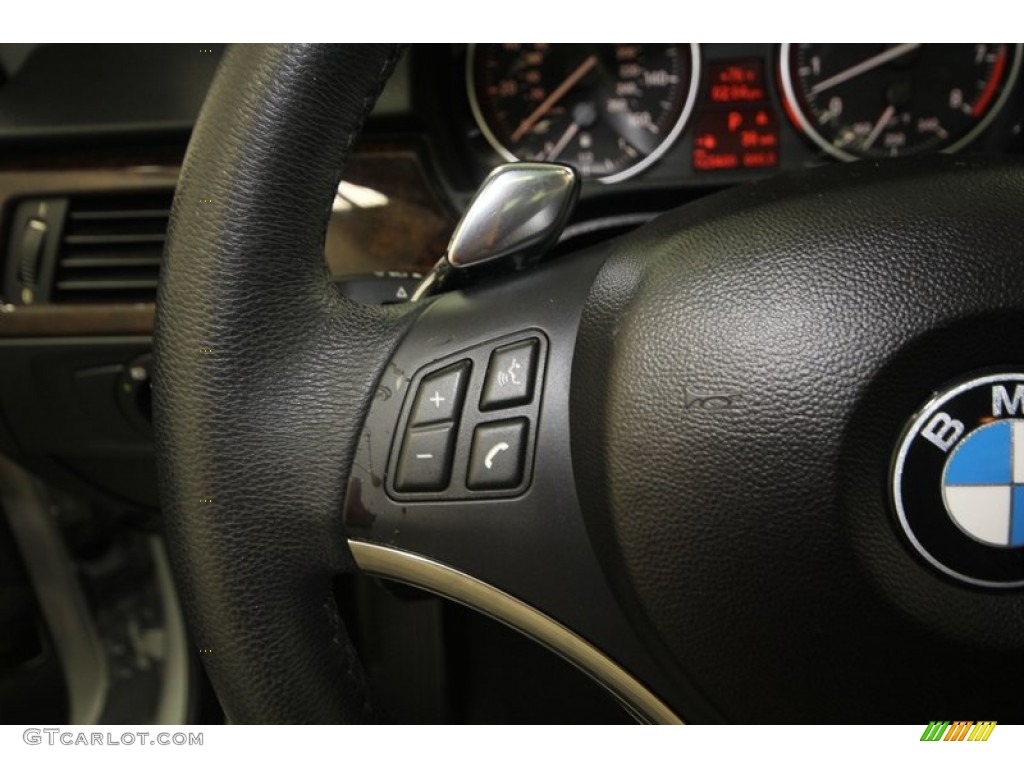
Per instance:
{"type": "Point", "coordinates": [684, 113]}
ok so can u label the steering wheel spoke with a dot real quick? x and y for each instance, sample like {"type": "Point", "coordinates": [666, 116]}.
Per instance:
{"type": "Point", "coordinates": [462, 481]}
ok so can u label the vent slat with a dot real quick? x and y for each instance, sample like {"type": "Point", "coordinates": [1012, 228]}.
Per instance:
{"type": "Point", "coordinates": [104, 285]}
{"type": "Point", "coordinates": [91, 262]}
{"type": "Point", "coordinates": [111, 246]}
{"type": "Point", "coordinates": [112, 239]}
{"type": "Point", "coordinates": [157, 213]}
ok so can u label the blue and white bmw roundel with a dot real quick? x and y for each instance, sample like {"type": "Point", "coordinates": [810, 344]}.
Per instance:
{"type": "Point", "coordinates": [983, 483]}
{"type": "Point", "coordinates": [958, 481]}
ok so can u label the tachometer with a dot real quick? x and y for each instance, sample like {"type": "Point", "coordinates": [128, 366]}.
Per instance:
{"type": "Point", "coordinates": [610, 110]}
{"type": "Point", "coordinates": [887, 100]}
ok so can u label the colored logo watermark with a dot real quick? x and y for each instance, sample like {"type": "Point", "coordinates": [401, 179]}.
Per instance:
{"type": "Point", "coordinates": [959, 730]}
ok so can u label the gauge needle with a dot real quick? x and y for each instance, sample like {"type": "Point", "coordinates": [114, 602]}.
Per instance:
{"type": "Point", "coordinates": [865, 66]}
{"type": "Point", "coordinates": [556, 150]}
{"type": "Point", "coordinates": [574, 77]}
{"type": "Point", "coordinates": [879, 126]}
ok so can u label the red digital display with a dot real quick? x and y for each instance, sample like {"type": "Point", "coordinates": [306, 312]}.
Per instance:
{"type": "Point", "coordinates": [736, 82]}
{"type": "Point", "coordinates": [735, 138]}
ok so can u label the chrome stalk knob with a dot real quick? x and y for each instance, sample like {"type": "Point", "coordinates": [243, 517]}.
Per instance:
{"type": "Point", "coordinates": [515, 217]}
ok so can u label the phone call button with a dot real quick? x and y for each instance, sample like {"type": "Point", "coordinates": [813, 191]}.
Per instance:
{"type": "Point", "coordinates": [496, 457]}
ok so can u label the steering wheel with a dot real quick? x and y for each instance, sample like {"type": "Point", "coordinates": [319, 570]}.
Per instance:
{"type": "Point", "coordinates": [693, 503]}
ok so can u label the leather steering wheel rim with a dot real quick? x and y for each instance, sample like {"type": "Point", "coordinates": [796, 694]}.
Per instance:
{"type": "Point", "coordinates": [249, 330]}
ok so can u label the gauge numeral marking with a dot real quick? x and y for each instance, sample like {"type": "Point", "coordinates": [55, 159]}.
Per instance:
{"type": "Point", "coordinates": [942, 97]}
{"type": "Point", "coordinates": [525, 101]}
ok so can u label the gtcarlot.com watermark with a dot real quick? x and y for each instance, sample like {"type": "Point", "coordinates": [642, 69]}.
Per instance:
{"type": "Point", "coordinates": [59, 736]}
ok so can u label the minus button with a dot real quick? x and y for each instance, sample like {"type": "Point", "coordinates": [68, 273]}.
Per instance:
{"type": "Point", "coordinates": [425, 462]}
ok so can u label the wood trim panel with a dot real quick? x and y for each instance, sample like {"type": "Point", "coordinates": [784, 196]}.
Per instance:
{"type": "Point", "coordinates": [76, 320]}
{"type": "Point", "coordinates": [389, 218]}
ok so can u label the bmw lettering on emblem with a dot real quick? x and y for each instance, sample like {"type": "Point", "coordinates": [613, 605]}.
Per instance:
{"type": "Point", "coordinates": [958, 481]}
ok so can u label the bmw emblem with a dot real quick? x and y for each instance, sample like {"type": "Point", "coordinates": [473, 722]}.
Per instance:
{"type": "Point", "coordinates": [958, 481]}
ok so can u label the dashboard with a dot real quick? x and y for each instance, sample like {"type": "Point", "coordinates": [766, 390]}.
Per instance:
{"type": "Point", "coordinates": [92, 138]}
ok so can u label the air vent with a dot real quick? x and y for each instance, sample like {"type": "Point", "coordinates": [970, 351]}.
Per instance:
{"type": "Point", "coordinates": [110, 248]}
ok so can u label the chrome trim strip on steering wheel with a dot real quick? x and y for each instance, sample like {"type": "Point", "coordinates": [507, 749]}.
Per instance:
{"type": "Point", "coordinates": [442, 580]}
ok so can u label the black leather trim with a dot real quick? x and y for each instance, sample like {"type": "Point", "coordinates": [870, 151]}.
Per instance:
{"type": "Point", "coordinates": [263, 376]}
{"type": "Point", "coordinates": [744, 369]}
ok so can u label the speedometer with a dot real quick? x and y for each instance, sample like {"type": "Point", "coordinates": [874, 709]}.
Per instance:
{"type": "Point", "coordinates": [888, 100]}
{"type": "Point", "coordinates": [610, 110]}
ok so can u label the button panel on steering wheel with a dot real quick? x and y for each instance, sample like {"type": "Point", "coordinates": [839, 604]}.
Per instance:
{"type": "Point", "coordinates": [469, 423]}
